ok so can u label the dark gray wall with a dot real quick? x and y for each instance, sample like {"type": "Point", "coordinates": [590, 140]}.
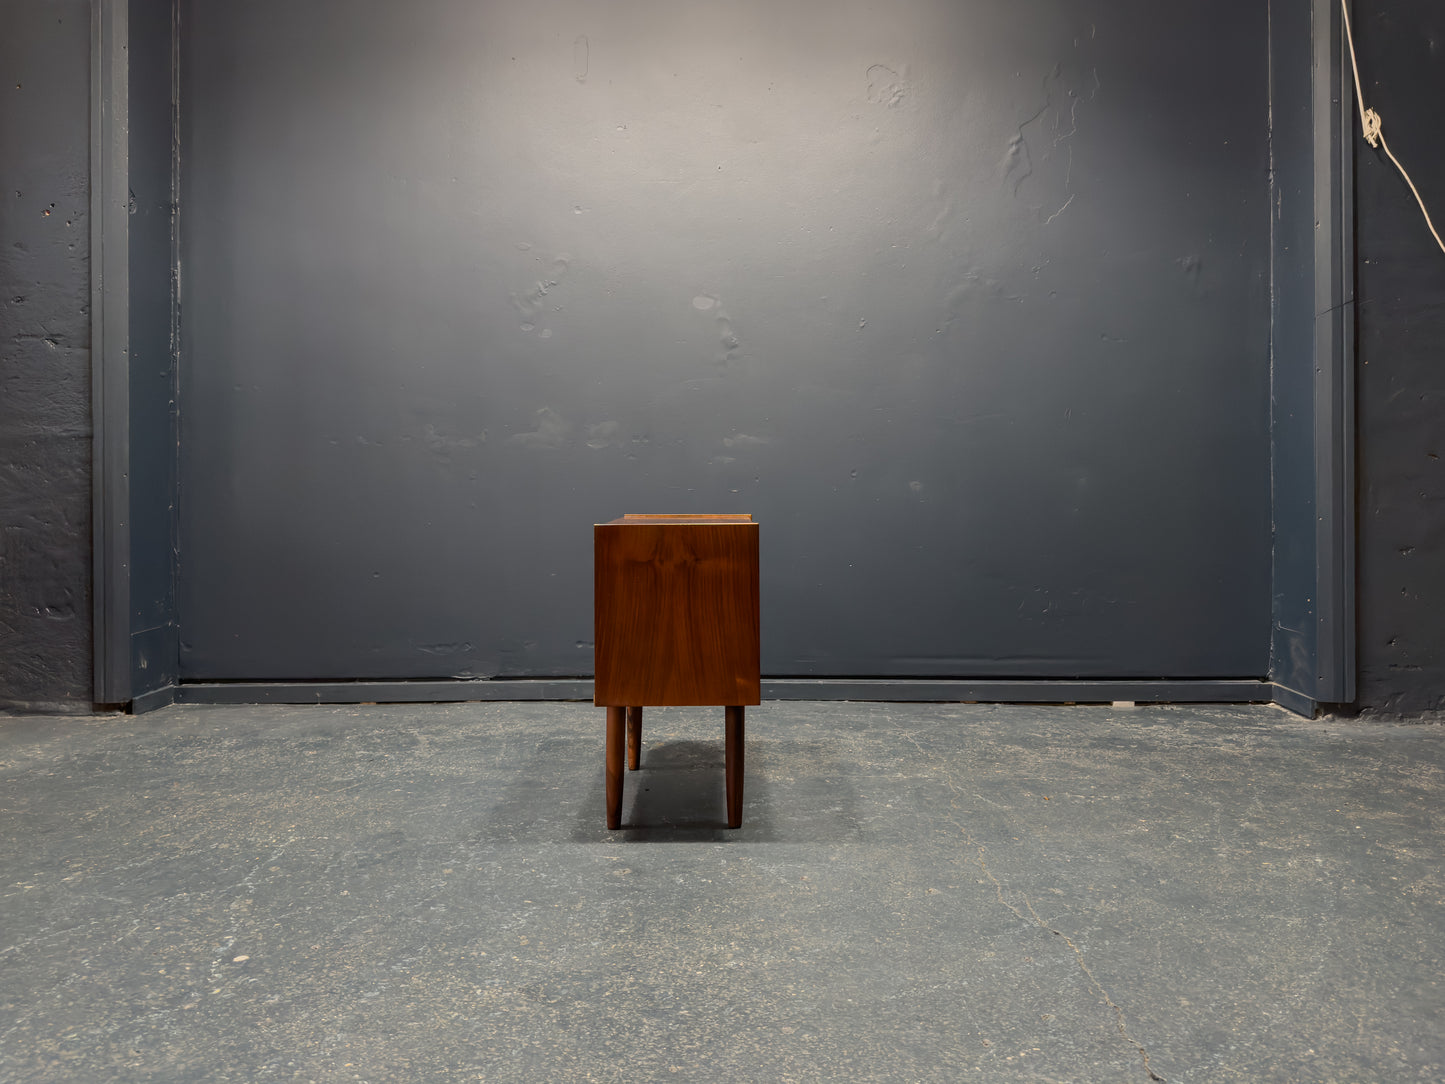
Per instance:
{"type": "Point", "coordinates": [968, 304]}
{"type": "Point", "coordinates": [1401, 315]}
{"type": "Point", "coordinates": [45, 648]}
{"type": "Point", "coordinates": [45, 626]}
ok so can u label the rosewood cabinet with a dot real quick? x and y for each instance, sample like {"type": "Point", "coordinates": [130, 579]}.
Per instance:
{"type": "Point", "coordinates": [676, 623]}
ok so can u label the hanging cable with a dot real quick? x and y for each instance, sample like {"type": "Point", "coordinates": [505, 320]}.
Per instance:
{"type": "Point", "coordinates": [1370, 124]}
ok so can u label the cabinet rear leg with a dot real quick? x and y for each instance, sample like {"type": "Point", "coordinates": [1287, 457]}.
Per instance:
{"type": "Point", "coordinates": [733, 755]}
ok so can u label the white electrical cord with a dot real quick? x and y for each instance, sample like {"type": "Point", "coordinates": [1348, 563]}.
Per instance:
{"type": "Point", "coordinates": [1370, 123]}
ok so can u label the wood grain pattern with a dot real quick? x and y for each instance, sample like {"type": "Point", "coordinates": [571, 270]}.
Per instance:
{"type": "Point", "coordinates": [615, 740]}
{"type": "Point", "coordinates": [676, 611]}
{"type": "Point", "coordinates": [634, 738]}
{"type": "Point", "coordinates": [733, 761]}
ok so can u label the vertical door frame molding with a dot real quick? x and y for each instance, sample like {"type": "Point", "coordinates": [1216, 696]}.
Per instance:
{"type": "Point", "coordinates": [110, 347]}
{"type": "Point", "coordinates": [133, 350]}
{"type": "Point", "coordinates": [1334, 358]}
{"type": "Point", "coordinates": [1312, 438]}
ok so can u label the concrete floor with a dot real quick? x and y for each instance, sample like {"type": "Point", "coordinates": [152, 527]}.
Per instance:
{"type": "Point", "coordinates": [919, 892]}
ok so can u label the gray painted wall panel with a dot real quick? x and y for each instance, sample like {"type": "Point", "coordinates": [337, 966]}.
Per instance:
{"type": "Point", "coordinates": [966, 304]}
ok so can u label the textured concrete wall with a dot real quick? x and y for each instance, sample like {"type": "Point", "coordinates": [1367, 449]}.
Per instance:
{"type": "Point", "coordinates": [1401, 406]}
{"type": "Point", "coordinates": [45, 619]}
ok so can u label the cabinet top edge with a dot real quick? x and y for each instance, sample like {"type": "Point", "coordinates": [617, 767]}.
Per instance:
{"type": "Point", "coordinates": [678, 519]}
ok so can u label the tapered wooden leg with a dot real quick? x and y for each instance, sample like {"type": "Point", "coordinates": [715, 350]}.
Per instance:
{"type": "Point", "coordinates": [615, 749]}
{"type": "Point", "coordinates": [733, 757]}
{"type": "Point", "coordinates": [634, 738]}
